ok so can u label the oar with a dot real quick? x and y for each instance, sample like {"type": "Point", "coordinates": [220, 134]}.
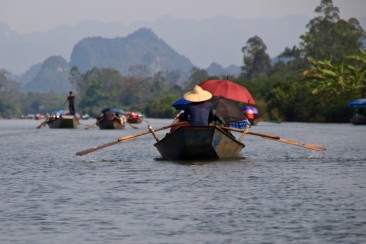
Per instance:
{"type": "Point", "coordinates": [43, 123]}
{"type": "Point", "coordinates": [301, 144]}
{"type": "Point", "coordinates": [62, 105]}
{"type": "Point", "coordinates": [46, 120]}
{"type": "Point", "coordinates": [90, 126]}
{"type": "Point", "coordinates": [125, 121]}
{"type": "Point", "coordinates": [283, 140]}
{"type": "Point", "coordinates": [251, 133]}
{"type": "Point", "coordinates": [135, 127]}
{"type": "Point", "coordinates": [122, 139]}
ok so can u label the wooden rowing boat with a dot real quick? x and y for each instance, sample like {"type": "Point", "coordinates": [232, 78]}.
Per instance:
{"type": "Point", "coordinates": [133, 118]}
{"type": "Point", "coordinates": [195, 142]}
{"type": "Point", "coordinates": [64, 121]}
{"type": "Point", "coordinates": [113, 123]}
{"type": "Point", "coordinates": [359, 111]}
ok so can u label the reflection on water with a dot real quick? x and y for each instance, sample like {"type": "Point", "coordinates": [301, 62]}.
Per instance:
{"type": "Point", "coordinates": [273, 193]}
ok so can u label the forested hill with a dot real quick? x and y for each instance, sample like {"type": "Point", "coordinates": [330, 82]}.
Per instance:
{"type": "Point", "coordinates": [140, 49]}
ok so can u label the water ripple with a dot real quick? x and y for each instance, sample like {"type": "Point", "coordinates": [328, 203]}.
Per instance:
{"type": "Point", "coordinates": [273, 193]}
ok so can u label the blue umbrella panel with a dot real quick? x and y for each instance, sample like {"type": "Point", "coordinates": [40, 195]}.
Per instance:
{"type": "Point", "coordinates": [180, 104]}
{"type": "Point", "coordinates": [358, 103]}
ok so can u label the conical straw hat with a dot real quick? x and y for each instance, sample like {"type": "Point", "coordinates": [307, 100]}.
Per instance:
{"type": "Point", "coordinates": [197, 94]}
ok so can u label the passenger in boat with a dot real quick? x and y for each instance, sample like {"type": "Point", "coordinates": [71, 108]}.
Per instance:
{"type": "Point", "coordinates": [178, 119]}
{"type": "Point", "coordinates": [120, 117]}
{"type": "Point", "coordinates": [109, 115]}
{"type": "Point", "coordinates": [249, 114]}
{"type": "Point", "coordinates": [241, 124]}
{"type": "Point", "coordinates": [199, 111]}
{"type": "Point", "coordinates": [71, 99]}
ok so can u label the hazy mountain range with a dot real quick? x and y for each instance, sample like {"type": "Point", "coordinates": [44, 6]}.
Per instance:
{"type": "Point", "coordinates": [215, 40]}
{"type": "Point", "coordinates": [141, 53]}
{"type": "Point", "coordinates": [141, 48]}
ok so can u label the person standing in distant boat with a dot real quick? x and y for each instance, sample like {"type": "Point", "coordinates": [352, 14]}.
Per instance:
{"type": "Point", "coordinates": [71, 100]}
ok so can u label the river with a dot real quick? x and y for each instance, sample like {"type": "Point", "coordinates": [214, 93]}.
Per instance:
{"type": "Point", "coordinates": [272, 193]}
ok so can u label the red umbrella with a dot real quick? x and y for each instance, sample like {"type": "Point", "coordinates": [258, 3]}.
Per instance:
{"type": "Point", "coordinates": [227, 89]}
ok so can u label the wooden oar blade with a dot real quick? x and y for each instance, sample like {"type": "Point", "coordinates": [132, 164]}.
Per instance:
{"type": "Point", "coordinates": [42, 124]}
{"type": "Point", "coordinates": [301, 144]}
{"type": "Point", "coordinates": [135, 127]}
{"type": "Point", "coordinates": [90, 150]}
{"type": "Point", "coordinates": [90, 126]}
{"type": "Point", "coordinates": [279, 139]}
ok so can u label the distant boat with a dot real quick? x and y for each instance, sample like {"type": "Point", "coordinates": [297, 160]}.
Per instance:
{"type": "Point", "coordinates": [85, 116]}
{"type": "Point", "coordinates": [252, 114]}
{"type": "Point", "coordinates": [111, 119]}
{"type": "Point", "coordinates": [133, 117]}
{"type": "Point", "coordinates": [114, 124]}
{"type": "Point", "coordinates": [359, 111]}
{"type": "Point", "coordinates": [63, 121]}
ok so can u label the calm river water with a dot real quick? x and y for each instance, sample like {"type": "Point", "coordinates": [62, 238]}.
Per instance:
{"type": "Point", "coordinates": [273, 193]}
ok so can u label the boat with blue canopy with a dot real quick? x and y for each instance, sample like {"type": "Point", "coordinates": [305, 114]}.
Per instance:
{"type": "Point", "coordinates": [359, 111]}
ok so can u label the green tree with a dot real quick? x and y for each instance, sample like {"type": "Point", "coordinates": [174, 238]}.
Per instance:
{"type": "Point", "coordinates": [139, 70]}
{"type": "Point", "coordinates": [197, 76]}
{"type": "Point", "coordinates": [161, 107]}
{"type": "Point", "coordinates": [33, 102]}
{"type": "Point", "coordinates": [346, 77]}
{"type": "Point", "coordinates": [75, 78]}
{"type": "Point", "coordinates": [334, 84]}
{"type": "Point", "coordinates": [329, 37]}
{"type": "Point", "coordinates": [99, 89]}
{"type": "Point", "coordinates": [102, 88]}
{"type": "Point", "coordinates": [358, 70]}
{"type": "Point", "coordinates": [255, 58]}
{"type": "Point", "coordinates": [9, 96]}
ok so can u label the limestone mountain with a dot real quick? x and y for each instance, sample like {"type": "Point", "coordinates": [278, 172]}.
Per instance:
{"type": "Point", "coordinates": [51, 77]}
{"type": "Point", "coordinates": [141, 48]}
{"type": "Point", "coordinates": [216, 69]}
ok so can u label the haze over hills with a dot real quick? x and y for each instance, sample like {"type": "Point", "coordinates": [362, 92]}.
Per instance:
{"type": "Point", "coordinates": [214, 40]}
{"type": "Point", "coordinates": [141, 48]}
{"type": "Point", "coordinates": [218, 39]}
{"type": "Point", "coordinates": [141, 53]}
{"type": "Point", "coordinates": [52, 76]}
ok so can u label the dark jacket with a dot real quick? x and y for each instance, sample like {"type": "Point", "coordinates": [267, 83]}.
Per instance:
{"type": "Point", "coordinates": [71, 99]}
{"type": "Point", "coordinates": [198, 113]}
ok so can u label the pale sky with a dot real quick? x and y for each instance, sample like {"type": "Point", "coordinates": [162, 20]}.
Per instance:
{"type": "Point", "coordinates": [26, 16]}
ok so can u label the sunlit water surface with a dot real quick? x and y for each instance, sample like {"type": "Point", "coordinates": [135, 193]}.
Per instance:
{"type": "Point", "coordinates": [273, 193]}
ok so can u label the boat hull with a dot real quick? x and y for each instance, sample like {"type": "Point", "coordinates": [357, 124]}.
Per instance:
{"type": "Point", "coordinates": [63, 122]}
{"type": "Point", "coordinates": [199, 142]}
{"type": "Point", "coordinates": [358, 120]}
{"type": "Point", "coordinates": [114, 124]}
{"type": "Point", "coordinates": [134, 120]}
